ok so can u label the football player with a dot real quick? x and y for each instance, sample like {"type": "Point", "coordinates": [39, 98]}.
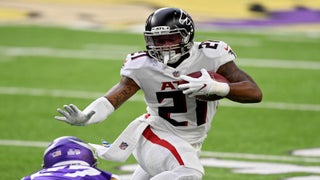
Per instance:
{"type": "Point", "coordinates": [68, 157]}
{"type": "Point", "coordinates": [178, 123]}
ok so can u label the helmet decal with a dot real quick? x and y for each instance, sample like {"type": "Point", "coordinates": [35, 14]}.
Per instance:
{"type": "Point", "coordinates": [184, 19]}
{"type": "Point", "coordinates": [160, 29]}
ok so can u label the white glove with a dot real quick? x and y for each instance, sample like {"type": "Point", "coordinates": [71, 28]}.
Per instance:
{"type": "Point", "coordinates": [96, 112]}
{"type": "Point", "coordinates": [72, 115]}
{"type": "Point", "coordinates": [204, 85]}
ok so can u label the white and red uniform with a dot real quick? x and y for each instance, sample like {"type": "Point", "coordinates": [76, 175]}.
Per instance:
{"type": "Point", "coordinates": [178, 124]}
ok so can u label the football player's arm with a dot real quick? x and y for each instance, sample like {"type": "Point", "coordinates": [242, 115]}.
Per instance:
{"type": "Point", "coordinates": [100, 108]}
{"type": "Point", "coordinates": [242, 87]}
{"type": "Point", "coordinates": [122, 91]}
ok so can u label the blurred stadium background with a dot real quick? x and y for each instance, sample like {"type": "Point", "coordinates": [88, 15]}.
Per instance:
{"type": "Point", "coordinates": [54, 52]}
{"type": "Point", "coordinates": [126, 14]}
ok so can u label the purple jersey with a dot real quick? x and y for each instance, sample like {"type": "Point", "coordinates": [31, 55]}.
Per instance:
{"type": "Point", "coordinates": [74, 172]}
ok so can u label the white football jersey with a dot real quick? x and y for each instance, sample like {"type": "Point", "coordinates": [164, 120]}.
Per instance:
{"type": "Point", "coordinates": [170, 109]}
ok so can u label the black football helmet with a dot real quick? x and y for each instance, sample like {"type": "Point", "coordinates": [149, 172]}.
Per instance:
{"type": "Point", "coordinates": [169, 23]}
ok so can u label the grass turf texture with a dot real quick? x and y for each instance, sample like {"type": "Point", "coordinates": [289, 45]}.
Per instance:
{"type": "Point", "coordinates": [240, 130]}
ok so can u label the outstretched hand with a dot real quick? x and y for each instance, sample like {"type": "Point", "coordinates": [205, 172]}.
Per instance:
{"type": "Point", "coordinates": [72, 115]}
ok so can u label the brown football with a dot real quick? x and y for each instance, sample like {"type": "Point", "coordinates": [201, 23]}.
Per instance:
{"type": "Point", "coordinates": [215, 76]}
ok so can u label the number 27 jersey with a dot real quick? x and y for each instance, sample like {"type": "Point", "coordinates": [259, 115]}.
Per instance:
{"type": "Point", "coordinates": [169, 108]}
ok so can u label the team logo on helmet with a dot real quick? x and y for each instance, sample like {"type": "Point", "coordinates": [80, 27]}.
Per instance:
{"type": "Point", "coordinates": [185, 19]}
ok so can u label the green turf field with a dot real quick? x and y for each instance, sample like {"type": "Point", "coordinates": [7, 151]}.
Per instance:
{"type": "Point", "coordinates": [43, 68]}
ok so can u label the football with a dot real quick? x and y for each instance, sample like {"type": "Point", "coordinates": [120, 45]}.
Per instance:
{"type": "Point", "coordinates": [215, 76]}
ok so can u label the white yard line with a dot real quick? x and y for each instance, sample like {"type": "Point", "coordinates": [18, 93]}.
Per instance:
{"type": "Point", "coordinates": [112, 53]}
{"type": "Point", "coordinates": [138, 97]}
{"type": "Point", "coordinates": [117, 52]}
{"type": "Point", "coordinates": [7, 142]}
{"type": "Point", "coordinates": [259, 157]}
{"type": "Point", "coordinates": [43, 144]}
{"type": "Point", "coordinates": [277, 63]}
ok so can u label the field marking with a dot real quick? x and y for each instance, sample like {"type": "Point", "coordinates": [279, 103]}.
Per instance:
{"type": "Point", "coordinates": [315, 152]}
{"type": "Point", "coordinates": [140, 98]}
{"type": "Point", "coordinates": [285, 64]}
{"type": "Point", "coordinates": [116, 52]}
{"type": "Point", "coordinates": [43, 144]}
{"type": "Point", "coordinates": [314, 159]}
{"type": "Point", "coordinates": [6, 142]}
{"type": "Point", "coordinates": [111, 53]}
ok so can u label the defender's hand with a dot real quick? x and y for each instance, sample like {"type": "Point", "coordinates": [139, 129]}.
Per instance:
{"type": "Point", "coordinates": [72, 115]}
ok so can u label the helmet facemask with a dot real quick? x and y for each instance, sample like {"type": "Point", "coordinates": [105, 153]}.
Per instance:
{"type": "Point", "coordinates": [167, 53]}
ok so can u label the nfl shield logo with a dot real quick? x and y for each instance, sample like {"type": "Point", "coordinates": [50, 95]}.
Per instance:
{"type": "Point", "coordinates": [123, 146]}
{"type": "Point", "coordinates": [176, 73]}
